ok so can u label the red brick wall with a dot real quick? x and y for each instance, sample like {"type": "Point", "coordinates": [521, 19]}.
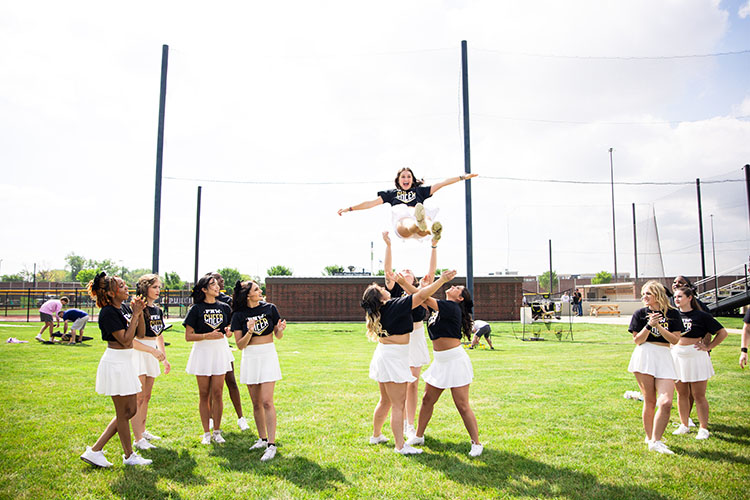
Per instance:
{"type": "Point", "coordinates": [337, 298]}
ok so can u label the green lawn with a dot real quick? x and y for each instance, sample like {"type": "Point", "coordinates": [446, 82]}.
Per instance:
{"type": "Point", "coordinates": [551, 415]}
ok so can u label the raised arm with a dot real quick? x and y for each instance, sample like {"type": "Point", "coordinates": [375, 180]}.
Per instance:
{"type": "Point", "coordinates": [388, 262]}
{"type": "Point", "coordinates": [447, 182]}
{"type": "Point", "coordinates": [418, 298]}
{"type": "Point", "coordinates": [362, 206]}
{"type": "Point", "coordinates": [125, 337]}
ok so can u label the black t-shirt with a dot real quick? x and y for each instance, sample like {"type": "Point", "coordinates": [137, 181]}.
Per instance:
{"type": "Point", "coordinates": [671, 322]}
{"type": "Point", "coordinates": [223, 297]}
{"type": "Point", "coordinates": [696, 324]}
{"type": "Point", "coordinates": [154, 318]}
{"type": "Point", "coordinates": [418, 313]}
{"type": "Point", "coordinates": [409, 197]}
{"type": "Point", "coordinates": [576, 297]}
{"type": "Point", "coordinates": [126, 311]}
{"type": "Point", "coordinates": [446, 321]}
{"type": "Point", "coordinates": [111, 320]}
{"type": "Point", "coordinates": [205, 318]}
{"type": "Point", "coordinates": [266, 317]}
{"type": "Point", "coordinates": [395, 316]}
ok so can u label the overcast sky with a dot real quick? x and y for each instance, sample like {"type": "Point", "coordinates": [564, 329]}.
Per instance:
{"type": "Point", "coordinates": [286, 111]}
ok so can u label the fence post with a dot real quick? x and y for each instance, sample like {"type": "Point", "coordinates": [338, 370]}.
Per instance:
{"type": "Point", "coordinates": [28, 303]}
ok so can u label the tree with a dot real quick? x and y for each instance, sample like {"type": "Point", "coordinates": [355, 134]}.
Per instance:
{"type": "Point", "coordinates": [601, 278]}
{"type": "Point", "coordinates": [132, 276]}
{"type": "Point", "coordinates": [108, 266]}
{"type": "Point", "coordinates": [75, 263]}
{"type": "Point", "coordinates": [544, 281]}
{"type": "Point", "coordinates": [13, 277]}
{"type": "Point", "coordinates": [85, 275]}
{"type": "Point", "coordinates": [231, 276]}
{"type": "Point", "coordinates": [332, 270]}
{"type": "Point", "coordinates": [173, 281]}
{"type": "Point", "coordinates": [278, 271]}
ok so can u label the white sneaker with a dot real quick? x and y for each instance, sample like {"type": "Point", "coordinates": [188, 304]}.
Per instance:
{"type": "Point", "coordinates": [143, 444]}
{"type": "Point", "coordinates": [646, 440]}
{"type": "Point", "coordinates": [378, 439]}
{"type": "Point", "coordinates": [40, 339]}
{"type": "Point", "coordinates": [410, 431]}
{"type": "Point", "coordinates": [408, 450]}
{"type": "Point", "coordinates": [243, 424]}
{"type": "Point", "coordinates": [415, 440]}
{"type": "Point", "coordinates": [659, 447]}
{"type": "Point", "coordinates": [682, 429]}
{"type": "Point", "coordinates": [476, 450]}
{"type": "Point", "coordinates": [210, 424]}
{"type": "Point", "coordinates": [217, 437]}
{"type": "Point", "coordinates": [206, 439]}
{"type": "Point", "coordinates": [702, 433]}
{"type": "Point", "coordinates": [95, 458]}
{"type": "Point", "coordinates": [690, 422]}
{"type": "Point", "coordinates": [135, 459]}
{"type": "Point", "coordinates": [269, 454]}
{"type": "Point", "coordinates": [419, 215]}
{"type": "Point", "coordinates": [150, 437]}
{"type": "Point", "coordinates": [260, 443]}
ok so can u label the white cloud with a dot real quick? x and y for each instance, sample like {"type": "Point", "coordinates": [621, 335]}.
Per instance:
{"type": "Point", "coordinates": [744, 10]}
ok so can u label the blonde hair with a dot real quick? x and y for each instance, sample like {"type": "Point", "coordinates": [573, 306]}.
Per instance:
{"type": "Point", "coordinates": [145, 282]}
{"type": "Point", "coordinates": [371, 303]}
{"type": "Point", "coordinates": [659, 293]}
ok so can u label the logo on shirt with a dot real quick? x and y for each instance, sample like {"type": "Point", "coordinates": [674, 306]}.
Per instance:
{"type": "Point", "coordinates": [261, 323]}
{"type": "Point", "coordinates": [156, 324]}
{"type": "Point", "coordinates": [687, 324]}
{"type": "Point", "coordinates": [664, 322]}
{"type": "Point", "coordinates": [433, 318]}
{"type": "Point", "coordinates": [213, 318]}
{"type": "Point", "coordinates": [406, 196]}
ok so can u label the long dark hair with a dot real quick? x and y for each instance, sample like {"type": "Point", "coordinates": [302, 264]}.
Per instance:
{"type": "Point", "coordinates": [689, 292]}
{"type": "Point", "coordinates": [239, 297]}
{"type": "Point", "coordinates": [198, 294]}
{"type": "Point", "coordinates": [372, 301]}
{"type": "Point", "coordinates": [467, 306]}
{"type": "Point", "coordinates": [99, 286]}
{"type": "Point", "coordinates": [415, 182]}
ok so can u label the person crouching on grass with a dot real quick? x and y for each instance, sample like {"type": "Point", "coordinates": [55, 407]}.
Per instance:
{"type": "Point", "coordinates": [205, 325]}
{"type": "Point", "coordinates": [116, 375]}
{"type": "Point", "coordinates": [255, 323]}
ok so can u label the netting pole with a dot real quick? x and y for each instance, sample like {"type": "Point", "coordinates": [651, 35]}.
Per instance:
{"type": "Point", "coordinates": [159, 151]}
{"type": "Point", "coordinates": [635, 245]}
{"type": "Point", "coordinates": [614, 235]}
{"type": "Point", "coordinates": [467, 169]}
{"type": "Point", "coordinates": [197, 234]}
{"type": "Point", "coordinates": [700, 227]}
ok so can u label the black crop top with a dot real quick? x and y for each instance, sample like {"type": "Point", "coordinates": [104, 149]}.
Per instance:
{"type": "Point", "coordinates": [446, 321]}
{"type": "Point", "coordinates": [671, 322]}
{"type": "Point", "coordinates": [111, 320]}
{"type": "Point", "coordinates": [266, 317]}
{"type": "Point", "coordinates": [418, 313]}
{"type": "Point", "coordinates": [205, 318]}
{"type": "Point", "coordinates": [696, 324]}
{"type": "Point", "coordinates": [395, 317]}
{"type": "Point", "coordinates": [154, 318]}
{"type": "Point", "coordinates": [410, 197]}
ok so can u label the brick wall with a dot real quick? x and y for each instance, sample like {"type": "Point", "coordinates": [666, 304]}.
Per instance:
{"type": "Point", "coordinates": [337, 298]}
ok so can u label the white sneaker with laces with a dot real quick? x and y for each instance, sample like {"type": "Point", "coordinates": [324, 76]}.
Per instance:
{"type": "Point", "coordinates": [243, 424]}
{"type": "Point", "coordinates": [40, 339]}
{"type": "Point", "coordinates": [95, 458]}
{"type": "Point", "coordinates": [260, 443]}
{"type": "Point", "coordinates": [659, 447]}
{"type": "Point", "coordinates": [415, 440]}
{"type": "Point", "coordinates": [476, 450]}
{"type": "Point", "coordinates": [690, 422]}
{"type": "Point", "coordinates": [143, 444]}
{"type": "Point", "coordinates": [150, 437]}
{"type": "Point", "coordinates": [407, 450]}
{"type": "Point", "coordinates": [419, 216]}
{"type": "Point", "coordinates": [206, 439]}
{"type": "Point", "coordinates": [378, 439]}
{"type": "Point", "coordinates": [269, 453]}
{"type": "Point", "coordinates": [217, 437]}
{"type": "Point", "coordinates": [682, 429]}
{"type": "Point", "coordinates": [135, 459]}
{"type": "Point", "coordinates": [702, 433]}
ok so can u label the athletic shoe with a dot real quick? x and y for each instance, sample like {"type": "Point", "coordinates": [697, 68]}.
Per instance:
{"type": "Point", "coordinates": [378, 439]}
{"type": "Point", "coordinates": [682, 429]}
{"type": "Point", "coordinates": [415, 440]}
{"type": "Point", "coordinates": [437, 230]}
{"type": "Point", "coordinates": [408, 450]}
{"type": "Point", "coordinates": [40, 339]}
{"type": "Point", "coordinates": [659, 447]}
{"type": "Point", "coordinates": [150, 437]}
{"type": "Point", "coordinates": [419, 215]}
{"type": "Point", "coordinates": [243, 424]}
{"type": "Point", "coordinates": [646, 440]}
{"type": "Point", "coordinates": [269, 454]}
{"type": "Point", "coordinates": [206, 439]}
{"type": "Point", "coordinates": [95, 458]}
{"type": "Point", "coordinates": [135, 459]}
{"type": "Point", "coordinates": [410, 431]}
{"type": "Point", "coordinates": [690, 422]}
{"type": "Point", "coordinates": [217, 437]}
{"type": "Point", "coordinates": [210, 423]}
{"type": "Point", "coordinates": [702, 433]}
{"type": "Point", "coordinates": [143, 444]}
{"type": "Point", "coordinates": [260, 443]}
{"type": "Point", "coordinates": [476, 450]}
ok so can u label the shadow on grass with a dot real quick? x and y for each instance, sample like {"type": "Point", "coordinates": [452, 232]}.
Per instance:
{"type": "Point", "coordinates": [738, 434]}
{"type": "Point", "coordinates": [300, 471]}
{"type": "Point", "coordinates": [515, 475]}
{"type": "Point", "coordinates": [141, 482]}
{"type": "Point", "coordinates": [712, 455]}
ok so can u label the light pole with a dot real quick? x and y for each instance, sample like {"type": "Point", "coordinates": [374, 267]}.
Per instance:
{"type": "Point", "coordinates": [713, 253]}
{"type": "Point", "coordinates": [612, 185]}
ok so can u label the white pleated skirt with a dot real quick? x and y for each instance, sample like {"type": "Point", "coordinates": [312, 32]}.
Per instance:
{"type": "Point", "coordinates": [210, 357]}
{"type": "Point", "coordinates": [390, 363]}
{"type": "Point", "coordinates": [260, 363]}
{"type": "Point", "coordinates": [419, 355]}
{"type": "Point", "coordinates": [145, 363]}
{"type": "Point", "coordinates": [116, 374]}
{"type": "Point", "coordinates": [401, 211]}
{"type": "Point", "coordinates": [653, 359]}
{"type": "Point", "coordinates": [692, 365]}
{"type": "Point", "coordinates": [451, 368]}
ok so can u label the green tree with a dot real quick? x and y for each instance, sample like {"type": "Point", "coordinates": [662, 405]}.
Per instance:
{"type": "Point", "coordinates": [85, 275]}
{"type": "Point", "coordinates": [75, 263]}
{"type": "Point", "coordinates": [544, 281]}
{"type": "Point", "coordinates": [13, 277]}
{"type": "Point", "coordinates": [231, 276]}
{"type": "Point", "coordinates": [331, 270]}
{"type": "Point", "coordinates": [278, 271]}
{"type": "Point", "coordinates": [108, 266]}
{"type": "Point", "coordinates": [173, 281]}
{"type": "Point", "coordinates": [132, 276]}
{"type": "Point", "coordinates": [601, 278]}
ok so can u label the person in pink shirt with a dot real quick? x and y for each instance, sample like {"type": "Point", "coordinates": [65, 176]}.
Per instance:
{"type": "Point", "coordinates": [50, 311]}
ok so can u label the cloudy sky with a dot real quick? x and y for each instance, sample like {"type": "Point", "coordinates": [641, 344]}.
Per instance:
{"type": "Point", "coordinates": [286, 111]}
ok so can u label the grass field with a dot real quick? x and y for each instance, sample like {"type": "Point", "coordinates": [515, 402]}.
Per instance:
{"type": "Point", "coordinates": [551, 415]}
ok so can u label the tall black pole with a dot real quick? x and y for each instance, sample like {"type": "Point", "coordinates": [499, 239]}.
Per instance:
{"type": "Point", "coordinates": [700, 228]}
{"type": "Point", "coordinates": [467, 169]}
{"type": "Point", "coordinates": [197, 234]}
{"type": "Point", "coordinates": [747, 185]}
{"type": "Point", "coordinates": [713, 252]}
{"type": "Point", "coordinates": [159, 150]}
{"type": "Point", "coordinates": [550, 270]}
{"type": "Point", "coordinates": [635, 244]}
{"type": "Point", "coordinates": [612, 184]}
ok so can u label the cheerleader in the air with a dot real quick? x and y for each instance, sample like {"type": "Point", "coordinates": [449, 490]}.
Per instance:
{"type": "Point", "coordinates": [410, 219]}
